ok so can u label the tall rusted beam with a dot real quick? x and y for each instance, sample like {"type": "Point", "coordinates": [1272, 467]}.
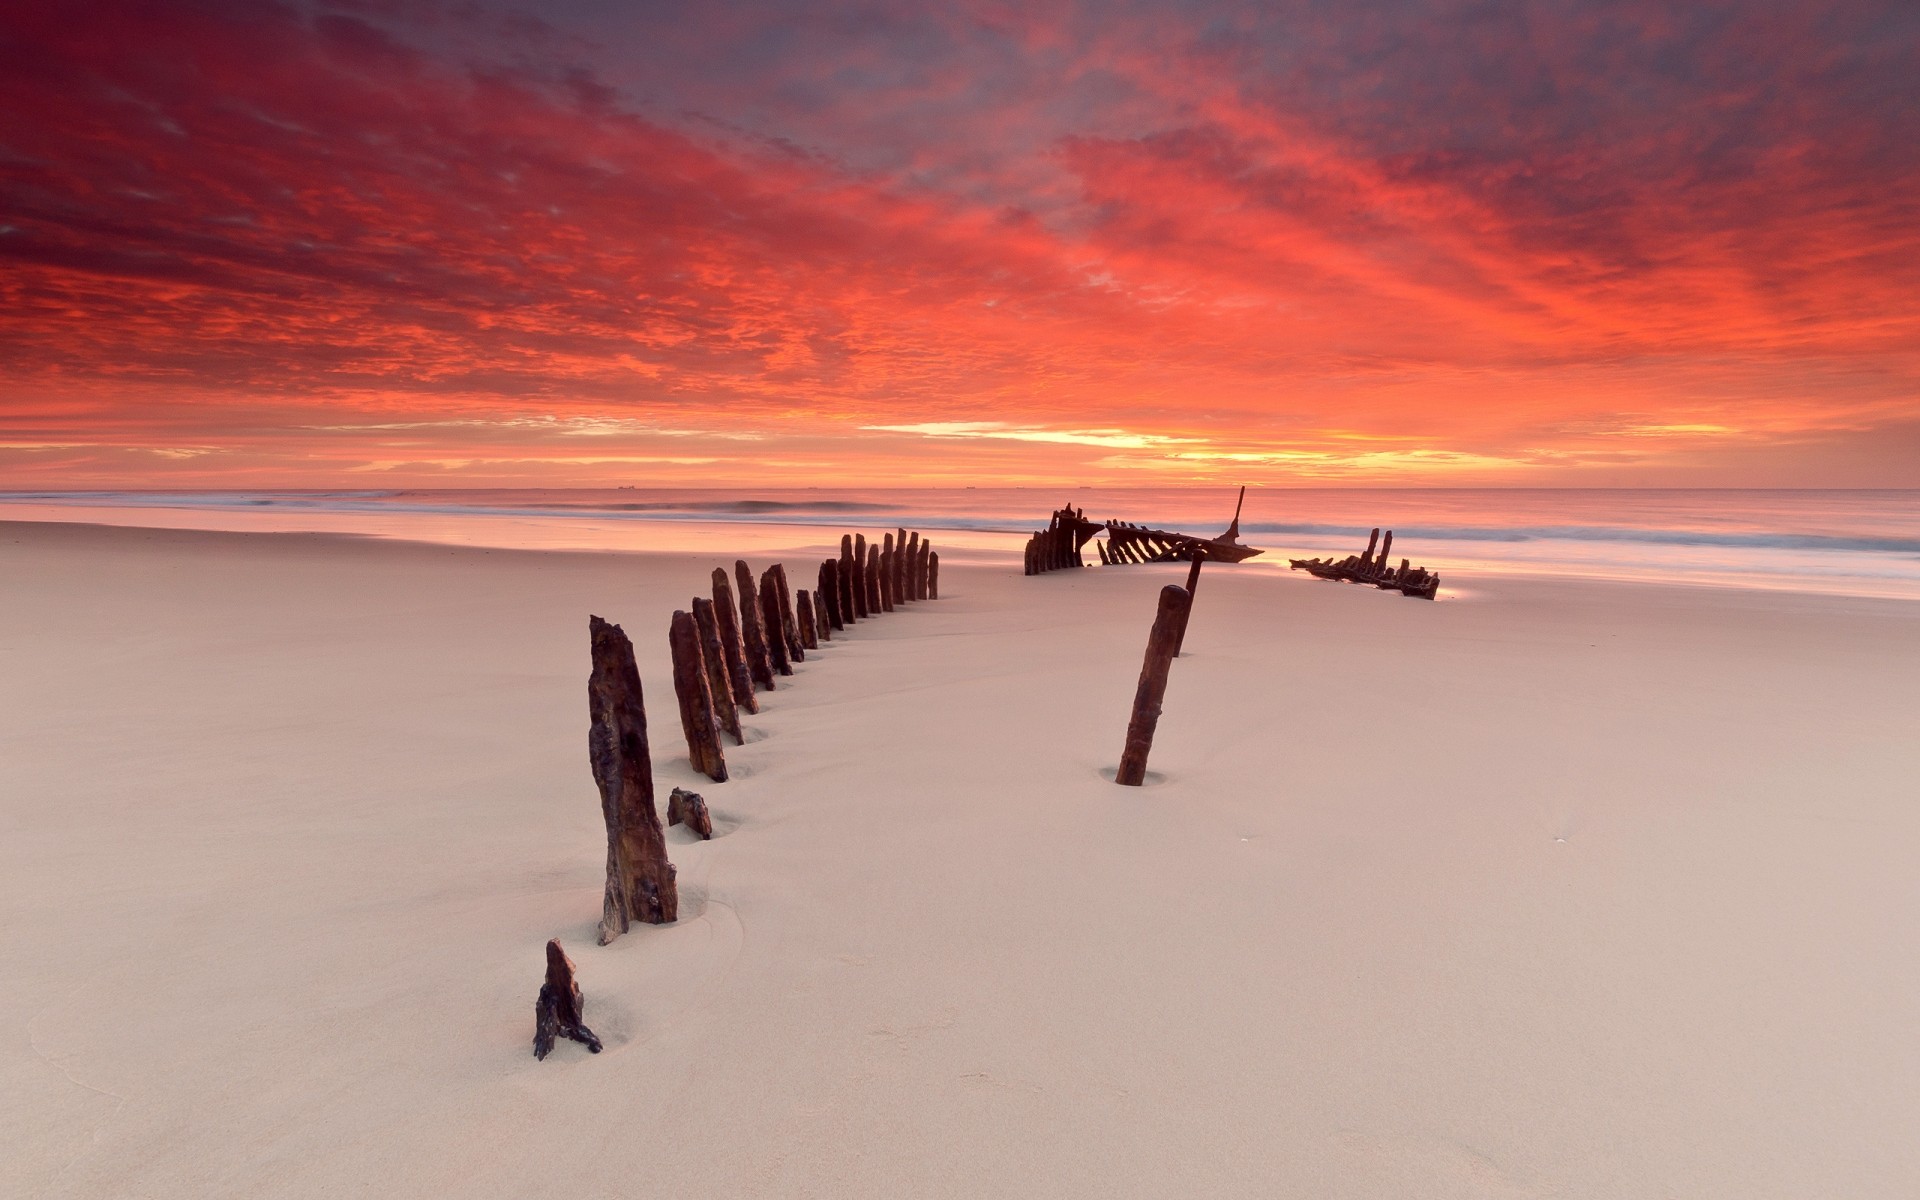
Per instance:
{"type": "Point", "coordinates": [697, 718]}
{"type": "Point", "coordinates": [719, 683]}
{"type": "Point", "coordinates": [770, 617]}
{"type": "Point", "coordinates": [727, 615]}
{"type": "Point", "coordinates": [1152, 690]}
{"type": "Point", "coordinates": [752, 629]}
{"type": "Point", "coordinates": [640, 880]}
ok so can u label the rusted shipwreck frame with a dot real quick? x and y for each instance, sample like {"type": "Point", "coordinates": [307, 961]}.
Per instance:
{"type": "Point", "coordinates": [1372, 568]}
{"type": "Point", "coordinates": [1060, 544]}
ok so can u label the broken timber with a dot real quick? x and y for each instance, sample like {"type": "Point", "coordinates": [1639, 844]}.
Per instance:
{"type": "Point", "coordinates": [1368, 567]}
{"type": "Point", "coordinates": [640, 880]}
{"type": "Point", "coordinates": [697, 718]}
{"type": "Point", "coordinates": [559, 1008]}
{"type": "Point", "coordinates": [690, 809]}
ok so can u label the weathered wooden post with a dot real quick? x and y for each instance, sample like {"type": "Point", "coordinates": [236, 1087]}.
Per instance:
{"type": "Point", "coordinates": [884, 576]}
{"type": "Point", "coordinates": [727, 613]}
{"type": "Point", "coordinates": [559, 1010]}
{"type": "Point", "coordinates": [789, 623]}
{"type": "Point", "coordinates": [1373, 540]}
{"type": "Point", "coordinates": [719, 682]}
{"type": "Point", "coordinates": [1386, 551]}
{"type": "Point", "coordinates": [830, 594]}
{"type": "Point", "coordinates": [872, 576]}
{"type": "Point", "coordinates": [640, 883]}
{"type": "Point", "coordinates": [860, 606]}
{"type": "Point", "coordinates": [759, 654]}
{"type": "Point", "coordinates": [1193, 588]}
{"type": "Point", "coordinates": [803, 613]}
{"type": "Point", "coordinates": [690, 809]}
{"type": "Point", "coordinates": [1101, 548]}
{"type": "Point", "coordinates": [933, 574]}
{"type": "Point", "coordinates": [844, 575]}
{"type": "Point", "coordinates": [770, 617]}
{"type": "Point", "coordinates": [696, 701]}
{"type": "Point", "coordinates": [1153, 685]}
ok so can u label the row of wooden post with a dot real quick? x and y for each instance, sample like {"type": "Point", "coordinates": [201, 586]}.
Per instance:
{"type": "Point", "coordinates": [728, 648]}
{"type": "Point", "coordinates": [723, 650]}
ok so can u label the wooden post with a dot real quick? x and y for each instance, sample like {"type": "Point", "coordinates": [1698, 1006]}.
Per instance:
{"type": "Point", "coordinates": [559, 1010]}
{"type": "Point", "coordinates": [1153, 685]}
{"type": "Point", "coordinates": [640, 884]}
{"type": "Point", "coordinates": [872, 576]}
{"type": "Point", "coordinates": [1373, 540]}
{"type": "Point", "coordinates": [696, 701]}
{"type": "Point", "coordinates": [759, 656]}
{"type": "Point", "coordinates": [690, 809]}
{"type": "Point", "coordinates": [789, 622]}
{"type": "Point", "coordinates": [770, 617]}
{"type": "Point", "coordinates": [1101, 548]}
{"type": "Point", "coordinates": [728, 615]}
{"type": "Point", "coordinates": [910, 576]}
{"type": "Point", "coordinates": [830, 592]}
{"type": "Point", "coordinates": [719, 682]}
{"type": "Point", "coordinates": [809, 626]}
{"type": "Point", "coordinates": [1028, 565]}
{"type": "Point", "coordinates": [884, 576]}
{"type": "Point", "coordinates": [1386, 549]}
{"type": "Point", "coordinates": [1193, 588]}
{"type": "Point", "coordinates": [860, 606]}
{"type": "Point", "coordinates": [844, 575]}
{"type": "Point", "coordinates": [933, 574]}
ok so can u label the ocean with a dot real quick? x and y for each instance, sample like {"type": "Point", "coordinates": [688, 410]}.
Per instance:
{"type": "Point", "coordinates": [1845, 542]}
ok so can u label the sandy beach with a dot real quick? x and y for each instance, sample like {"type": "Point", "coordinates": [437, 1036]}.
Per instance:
{"type": "Point", "coordinates": [1549, 889]}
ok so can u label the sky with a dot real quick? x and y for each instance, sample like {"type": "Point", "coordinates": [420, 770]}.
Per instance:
{"type": "Point", "coordinates": [377, 243]}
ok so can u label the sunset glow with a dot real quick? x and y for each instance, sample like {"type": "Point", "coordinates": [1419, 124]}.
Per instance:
{"type": "Point", "coordinates": [369, 244]}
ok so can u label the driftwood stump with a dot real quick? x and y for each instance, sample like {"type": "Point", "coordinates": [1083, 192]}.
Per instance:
{"type": "Point", "coordinates": [759, 656]}
{"type": "Point", "coordinates": [873, 580]}
{"type": "Point", "coordinates": [688, 808]}
{"type": "Point", "coordinates": [640, 884]}
{"type": "Point", "coordinates": [719, 686]}
{"type": "Point", "coordinates": [696, 700]}
{"type": "Point", "coordinates": [789, 620]}
{"type": "Point", "coordinates": [829, 594]}
{"type": "Point", "coordinates": [559, 1008]}
{"type": "Point", "coordinates": [933, 574]}
{"type": "Point", "coordinates": [860, 607]}
{"type": "Point", "coordinates": [844, 574]}
{"type": "Point", "coordinates": [809, 623]}
{"type": "Point", "coordinates": [1153, 685]}
{"type": "Point", "coordinates": [770, 617]}
{"type": "Point", "coordinates": [727, 614]}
